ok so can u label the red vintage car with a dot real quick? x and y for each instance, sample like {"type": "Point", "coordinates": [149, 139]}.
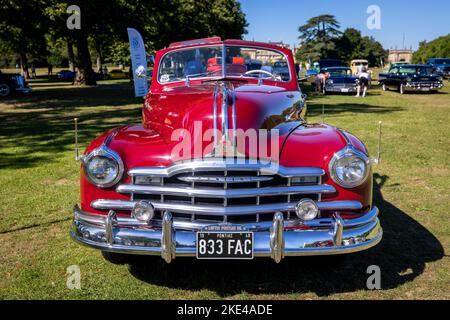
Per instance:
{"type": "Point", "coordinates": [225, 166]}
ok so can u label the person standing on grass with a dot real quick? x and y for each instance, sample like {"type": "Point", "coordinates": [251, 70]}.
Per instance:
{"type": "Point", "coordinates": [33, 71]}
{"type": "Point", "coordinates": [363, 82]}
{"type": "Point", "coordinates": [50, 69]}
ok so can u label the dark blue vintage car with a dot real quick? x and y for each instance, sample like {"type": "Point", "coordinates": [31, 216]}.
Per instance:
{"type": "Point", "coordinates": [411, 77]}
{"type": "Point", "coordinates": [340, 80]}
{"type": "Point", "coordinates": [10, 83]}
{"type": "Point", "coordinates": [441, 65]}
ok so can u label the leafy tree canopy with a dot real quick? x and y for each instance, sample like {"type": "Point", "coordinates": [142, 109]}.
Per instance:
{"type": "Point", "coordinates": [438, 48]}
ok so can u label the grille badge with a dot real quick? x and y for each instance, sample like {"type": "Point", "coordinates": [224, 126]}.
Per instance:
{"type": "Point", "coordinates": [220, 179]}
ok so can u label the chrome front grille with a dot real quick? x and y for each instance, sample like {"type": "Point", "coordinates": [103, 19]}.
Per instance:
{"type": "Point", "coordinates": [221, 190]}
{"type": "Point", "coordinates": [216, 191]}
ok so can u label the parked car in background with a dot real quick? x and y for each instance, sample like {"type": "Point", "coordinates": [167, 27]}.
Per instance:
{"type": "Point", "coordinates": [340, 80]}
{"type": "Point", "coordinates": [358, 64]}
{"type": "Point", "coordinates": [10, 83]}
{"type": "Point", "coordinates": [411, 77]}
{"type": "Point", "coordinates": [118, 74]}
{"type": "Point", "coordinates": [281, 69]}
{"type": "Point", "coordinates": [441, 66]}
{"type": "Point", "coordinates": [253, 64]}
{"type": "Point", "coordinates": [65, 75]}
{"type": "Point", "coordinates": [139, 195]}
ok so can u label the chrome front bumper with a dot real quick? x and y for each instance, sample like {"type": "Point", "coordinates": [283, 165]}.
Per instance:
{"type": "Point", "coordinates": [276, 239]}
{"type": "Point", "coordinates": [418, 87]}
{"type": "Point", "coordinates": [340, 89]}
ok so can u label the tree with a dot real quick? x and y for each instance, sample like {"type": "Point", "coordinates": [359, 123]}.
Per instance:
{"type": "Point", "coordinates": [317, 37]}
{"type": "Point", "coordinates": [352, 45]}
{"type": "Point", "coordinates": [22, 29]}
{"type": "Point", "coordinates": [438, 48]}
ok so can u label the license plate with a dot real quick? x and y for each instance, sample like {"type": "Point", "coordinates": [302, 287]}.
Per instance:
{"type": "Point", "coordinates": [425, 89]}
{"type": "Point", "coordinates": [344, 90]}
{"type": "Point", "coordinates": [225, 245]}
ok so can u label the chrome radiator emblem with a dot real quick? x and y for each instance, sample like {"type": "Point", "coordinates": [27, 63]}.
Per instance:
{"type": "Point", "coordinates": [220, 179]}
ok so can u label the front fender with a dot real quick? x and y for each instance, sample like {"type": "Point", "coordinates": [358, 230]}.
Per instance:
{"type": "Point", "coordinates": [314, 146]}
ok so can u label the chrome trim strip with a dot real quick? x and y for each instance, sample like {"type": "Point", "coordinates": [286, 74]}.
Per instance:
{"type": "Point", "coordinates": [224, 142]}
{"type": "Point", "coordinates": [224, 193]}
{"type": "Point", "coordinates": [222, 179]}
{"type": "Point", "coordinates": [216, 89]}
{"type": "Point", "coordinates": [185, 223]}
{"type": "Point", "coordinates": [233, 112]}
{"type": "Point", "coordinates": [227, 164]}
{"type": "Point", "coordinates": [123, 205]}
{"type": "Point", "coordinates": [344, 135]}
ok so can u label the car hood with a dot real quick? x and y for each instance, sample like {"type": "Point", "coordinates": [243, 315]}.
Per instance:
{"type": "Point", "coordinates": [186, 114]}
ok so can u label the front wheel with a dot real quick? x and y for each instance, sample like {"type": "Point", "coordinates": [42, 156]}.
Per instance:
{"type": "Point", "coordinates": [4, 90]}
{"type": "Point", "coordinates": [402, 89]}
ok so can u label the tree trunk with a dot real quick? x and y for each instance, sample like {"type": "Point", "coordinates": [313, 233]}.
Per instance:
{"type": "Point", "coordinates": [24, 65]}
{"type": "Point", "coordinates": [70, 55]}
{"type": "Point", "coordinates": [85, 75]}
{"type": "Point", "coordinates": [99, 64]}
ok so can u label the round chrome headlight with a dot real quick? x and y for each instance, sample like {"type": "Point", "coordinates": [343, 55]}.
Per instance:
{"type": "Point", "coordinates": [349, 167]}
{"type": "Point", "coordinates": [103, 167]}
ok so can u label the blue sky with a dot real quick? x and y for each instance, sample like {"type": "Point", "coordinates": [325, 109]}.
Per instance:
{"type": "Point", "coordinates": [417, 20]}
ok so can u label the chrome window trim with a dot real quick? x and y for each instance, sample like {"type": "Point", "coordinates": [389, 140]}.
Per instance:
{"type": "Point", "coordinates": [223, 69]}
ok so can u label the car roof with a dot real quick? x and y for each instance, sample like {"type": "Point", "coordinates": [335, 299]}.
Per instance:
{"type": "Point", "coordinates": [218, 41]}
{"type": "Point", "coordinates": [413, 65]}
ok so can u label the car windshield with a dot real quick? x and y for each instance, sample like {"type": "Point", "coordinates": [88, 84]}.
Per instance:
{"type": "Point", "coordinates": [415, 70]}
{"type": "Point", "coordinates": [339, 72]}
{"type": "Point", "coordinates": [206, 62]}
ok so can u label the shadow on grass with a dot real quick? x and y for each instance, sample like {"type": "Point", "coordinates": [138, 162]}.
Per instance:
{"type": "Point", "coordinates": [41, 124]}
{"type": "Point", "coordinates": [402, 254]}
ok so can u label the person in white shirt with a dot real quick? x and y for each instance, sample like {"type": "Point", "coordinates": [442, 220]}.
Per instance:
{"type": "Point", "coordinates": [363, 82]}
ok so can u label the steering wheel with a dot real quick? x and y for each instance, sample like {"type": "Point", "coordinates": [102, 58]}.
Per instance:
{"type": "Point", "coordinates": [259, 71]}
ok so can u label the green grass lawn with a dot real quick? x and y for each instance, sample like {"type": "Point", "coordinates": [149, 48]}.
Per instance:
{"type": "Point", "coordinates": [39, 185]}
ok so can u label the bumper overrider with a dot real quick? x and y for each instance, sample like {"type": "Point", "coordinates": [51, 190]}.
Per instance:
{"type": "Point", "coordinates": [277, 239]}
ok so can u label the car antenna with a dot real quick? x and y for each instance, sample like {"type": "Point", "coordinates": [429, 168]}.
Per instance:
{"type": "Point", "coordinates": [377, 160]}
{"type": "Point", "coordinates": [76, 139]}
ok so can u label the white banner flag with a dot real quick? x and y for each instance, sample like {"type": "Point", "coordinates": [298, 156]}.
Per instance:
{"type": "Point", "coordinates": [138, 62]}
